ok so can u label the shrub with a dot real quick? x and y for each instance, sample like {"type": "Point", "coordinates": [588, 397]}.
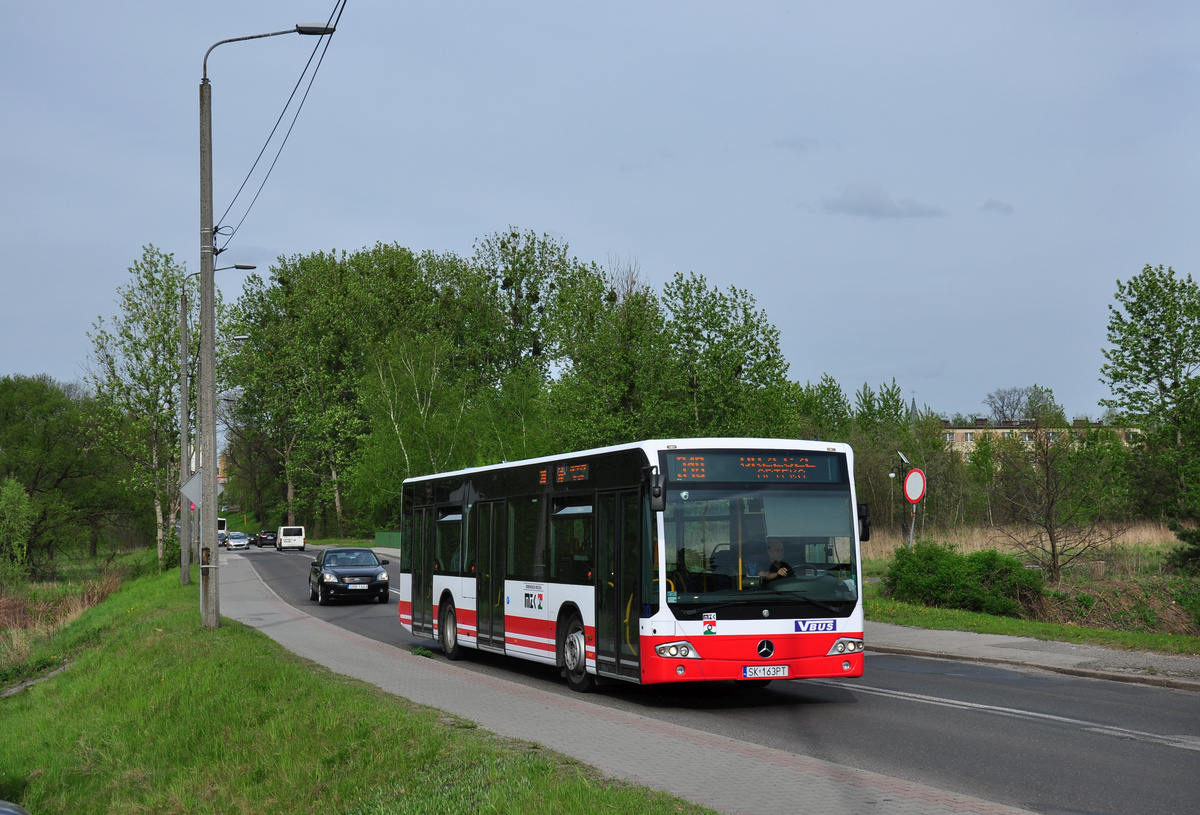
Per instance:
{"type": "Point", "coordinates": [1185, 558]}
{"type": "Point", "coordinates": [987, 582]}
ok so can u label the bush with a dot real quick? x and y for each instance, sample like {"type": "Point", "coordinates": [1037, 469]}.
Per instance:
{"type": "Point", "coordinates": [1184, 559]}
{"type": "Point", "coordinates": [987, 582]}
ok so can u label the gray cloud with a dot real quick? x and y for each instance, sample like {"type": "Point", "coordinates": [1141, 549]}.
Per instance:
{"type": "Point", "coordinates": [873, 201]}
{"type": "Point", "coordinates": [797, 144]}
{"type": "Point", "coordinates": [992, 205]}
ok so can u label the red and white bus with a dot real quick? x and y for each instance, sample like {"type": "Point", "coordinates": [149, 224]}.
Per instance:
{"type": "Point", "coordinates": [661, 561]}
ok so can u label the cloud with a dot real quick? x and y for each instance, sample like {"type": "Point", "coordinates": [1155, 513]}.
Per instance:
{"type": "Point", "coordinates": [872, 201]}
{"type": "Point", "coordinates": [797, 144]}
{"type": "Point", "coordinates": [992, 205]}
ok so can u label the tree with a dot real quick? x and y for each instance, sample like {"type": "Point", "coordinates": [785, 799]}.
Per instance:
{"type": "Point", "coordinates": [822, 410]}
{"type": "Point", "coordinates": [1152, 366]}
{"type": "Point", "coordinates": [1058, 492]}
{"type": "Point", "coordinates": [16, 518]}
{"type": "Point", "coordinates": [607, 332]}
{"type": "Point", "coordinates": [134, 371]}
{"type": "Point", "coordinates": [418, 407]}
{"type": "Point", "coordinates": [881, 427]}
{"type": "Point", "coordinates": [1014, 404]}
{"type": "Point", "coordinates": [49, 443]}
{"type": "Point", "coordinates": [727, 359]}
{"type": "Point", "coordinates": [522, 269]}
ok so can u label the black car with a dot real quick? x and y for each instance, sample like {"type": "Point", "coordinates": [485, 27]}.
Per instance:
{"type": "Point", "coordinates": [348, 573]}
{"type": "Point", "coordinates": [265, 538]}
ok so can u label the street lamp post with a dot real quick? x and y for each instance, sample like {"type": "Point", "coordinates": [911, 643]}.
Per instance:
{"type": "Point", "coordinates": [210, 610]}
{"type": "Point", "coordinates": [185, 451]}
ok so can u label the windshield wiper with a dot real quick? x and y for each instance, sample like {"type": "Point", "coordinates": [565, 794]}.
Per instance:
{"type": "Point", "coordinates": [822, 604]}
{"type": "Point", "coordinates": [757, 599]}
{"type": "Point", "coordinates": [692, 612]}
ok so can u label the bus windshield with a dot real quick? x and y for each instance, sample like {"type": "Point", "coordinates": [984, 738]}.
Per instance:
{"type": "Point", "coordinates": [762, 544]}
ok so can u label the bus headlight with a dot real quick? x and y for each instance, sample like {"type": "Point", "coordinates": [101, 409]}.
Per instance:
{"type": "Point", "coordinates": [681, 649]}
{"type": "Point", "coordinates": [846, 645]}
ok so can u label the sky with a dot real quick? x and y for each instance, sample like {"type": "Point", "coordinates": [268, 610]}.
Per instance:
{"type": "Point", "coordinates": [940, 193]}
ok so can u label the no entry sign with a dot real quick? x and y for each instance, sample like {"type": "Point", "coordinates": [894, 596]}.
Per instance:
{"type": "Point", "coordinates": [914, 485]}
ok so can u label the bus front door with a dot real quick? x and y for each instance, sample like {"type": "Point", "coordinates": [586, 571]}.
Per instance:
{"type": "Point", "coordinates": [618, 603]}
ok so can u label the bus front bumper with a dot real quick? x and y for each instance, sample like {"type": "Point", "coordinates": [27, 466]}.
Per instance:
{"type": "Point", "coordinates": [738, 658]}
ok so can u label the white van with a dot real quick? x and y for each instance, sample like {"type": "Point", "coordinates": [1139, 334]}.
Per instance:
{"type": "Point", "coordinates": [290, 537]}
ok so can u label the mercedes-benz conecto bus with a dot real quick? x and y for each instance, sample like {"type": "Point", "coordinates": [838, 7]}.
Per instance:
{"type": "Point", "coordinates": [663, 561]}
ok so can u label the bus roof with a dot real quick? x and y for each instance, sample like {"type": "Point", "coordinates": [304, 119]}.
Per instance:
{"type": "Point", "coordinates": [654, 446]}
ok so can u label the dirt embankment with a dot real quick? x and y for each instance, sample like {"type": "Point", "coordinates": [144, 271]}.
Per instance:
{"type": "Point", "coordinates": [1159, 605]}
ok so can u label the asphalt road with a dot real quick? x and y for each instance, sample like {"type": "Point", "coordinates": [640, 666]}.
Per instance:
{"type": "Point", "coordinates": [1031, 739]}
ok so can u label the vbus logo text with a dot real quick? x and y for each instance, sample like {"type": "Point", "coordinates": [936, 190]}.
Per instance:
{"type": "Point", "coordinates": [815, 626]}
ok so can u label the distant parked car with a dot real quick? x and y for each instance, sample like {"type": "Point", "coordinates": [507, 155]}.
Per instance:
{"type": "Point", "coordinates": [340, 573]}
{"type": "Point", "coordinates": [265, 538]}
{"type": "Point", "coordinates": [237, 540]}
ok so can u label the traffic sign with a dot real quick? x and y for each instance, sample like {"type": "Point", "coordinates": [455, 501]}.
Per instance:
{"type": "Point", "coordinates": [914, 485]}
{"type": "Point", "coordinates": [191, 488]}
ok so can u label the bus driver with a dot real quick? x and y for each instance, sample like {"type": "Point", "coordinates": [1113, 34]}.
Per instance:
{"type": "Point", "coordinates": [778, 567]}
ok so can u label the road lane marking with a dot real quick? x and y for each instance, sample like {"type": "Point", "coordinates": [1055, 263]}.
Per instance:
{"type": "Point", "coordinates": [1181, 742]}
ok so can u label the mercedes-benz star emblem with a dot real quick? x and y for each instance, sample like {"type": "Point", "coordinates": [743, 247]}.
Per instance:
{"type": "Point", "coordinates": [766, 648]}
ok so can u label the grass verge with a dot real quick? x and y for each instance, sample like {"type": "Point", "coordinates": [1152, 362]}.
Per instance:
{"type": "Point", "coordinates": [885, 610]}
{"type": "Point", "coordinates": [156, 714]}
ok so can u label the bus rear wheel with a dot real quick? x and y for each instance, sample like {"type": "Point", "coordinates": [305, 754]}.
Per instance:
{"type": "Point", "coordinates": [448, 632]}
{"type": "Point", "coordinates": [573, 655]}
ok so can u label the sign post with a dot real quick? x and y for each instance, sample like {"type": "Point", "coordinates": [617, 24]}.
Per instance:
{"type": "Point", "coordinates": [193, 490]}
{"type": "Point", "coordinates": [914, 491]}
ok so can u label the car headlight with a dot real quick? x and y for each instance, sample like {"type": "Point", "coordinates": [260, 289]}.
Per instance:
{"type": "Point", "coordinates": [382, 576]}
{"type": "Point", "coordinates": [329, 577]}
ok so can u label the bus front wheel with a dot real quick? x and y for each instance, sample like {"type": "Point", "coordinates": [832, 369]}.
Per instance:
{"type": "Point", "coordinates": [448, 631]}
{"type": "Point", "coordinates": [574, 656]}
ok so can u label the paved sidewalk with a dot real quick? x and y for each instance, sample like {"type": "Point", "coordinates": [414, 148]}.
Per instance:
{"type": "Point", "coordinates": [722, 773]}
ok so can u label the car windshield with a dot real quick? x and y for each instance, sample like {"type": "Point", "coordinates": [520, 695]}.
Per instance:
{"type": "Point", "coordinates": [784, 544]}
{"type": "Point", "coordinates": [352, 558]}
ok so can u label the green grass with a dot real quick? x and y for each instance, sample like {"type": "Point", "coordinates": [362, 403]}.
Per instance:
{"type": "Point", "coordinates": [876, 567]}
{"type": "Point", "coordinates": [885, 610]}
{"type": "Point", "coordinates": [156, 714]}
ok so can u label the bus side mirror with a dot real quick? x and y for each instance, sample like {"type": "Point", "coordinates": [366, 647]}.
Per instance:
{"type": "Point", "coordinates": [658, 492]}
{"type": "Point", "coordinates": [864, 522]}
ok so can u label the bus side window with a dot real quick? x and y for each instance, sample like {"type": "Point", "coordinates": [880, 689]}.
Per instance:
{"type": "Point", "coordinates": [571, 531]}
{"type": "Point", "coordinates": [448, 546]}
{"type": "Point", "coordinates": [526, 539]}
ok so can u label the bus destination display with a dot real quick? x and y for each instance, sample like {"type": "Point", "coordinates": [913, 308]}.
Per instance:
{"type": "Point", "coordinates": [816, 468]}
{"type": "Point", "coordinates": [564, 474]}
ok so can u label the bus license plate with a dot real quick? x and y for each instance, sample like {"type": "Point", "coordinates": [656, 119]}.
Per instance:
{"type": "Point", "coordinates": [358, 586]}
{"type": "Point", "coordinates": [764, 671]}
